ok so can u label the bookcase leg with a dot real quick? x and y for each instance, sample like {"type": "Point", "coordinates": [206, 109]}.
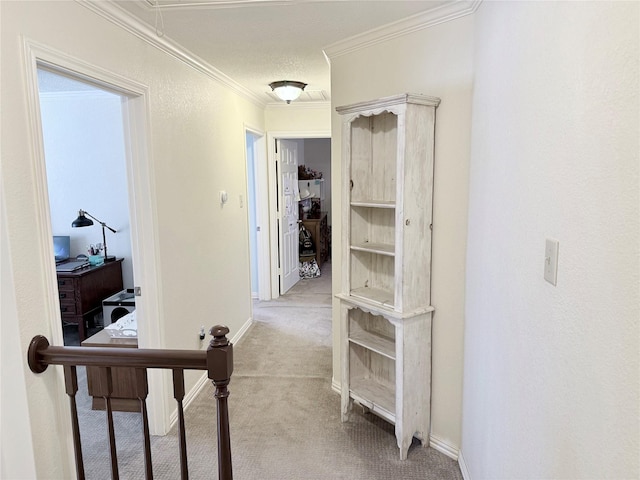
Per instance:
{"type": "Point", "coordinates": [347, 405]}
{"type": "Point", "coordinates": [403, 445]}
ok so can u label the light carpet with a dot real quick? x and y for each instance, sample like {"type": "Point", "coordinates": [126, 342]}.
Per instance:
{"type": "Point", "coordinates": [284, 416]}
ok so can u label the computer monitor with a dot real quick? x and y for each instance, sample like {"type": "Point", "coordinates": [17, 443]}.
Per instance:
{"type": "Point", "coordinates": [61, 247]}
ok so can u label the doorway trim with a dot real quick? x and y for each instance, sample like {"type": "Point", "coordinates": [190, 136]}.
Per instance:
{"type": "Point", "coordinates": [272, 192]}
{"type": "Point", "coordinates": [261, 197]}
{"type": "Point", "coordinates": [142, 203]}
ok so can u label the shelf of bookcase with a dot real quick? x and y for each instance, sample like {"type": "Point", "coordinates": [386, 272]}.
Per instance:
{"type": "Point", "coordinates": [378, 248]}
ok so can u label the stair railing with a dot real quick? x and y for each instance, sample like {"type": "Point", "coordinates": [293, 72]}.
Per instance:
{"type": "Point", "coordinates": [217, 360]}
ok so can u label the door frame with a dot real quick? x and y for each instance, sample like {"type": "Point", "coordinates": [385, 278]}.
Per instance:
{"type": "Point", "coordinates": [261, 199]}
{"type": "Point", "coordinates": [272, 192]}
{"type": "Point", "coordinates": [142, 201]}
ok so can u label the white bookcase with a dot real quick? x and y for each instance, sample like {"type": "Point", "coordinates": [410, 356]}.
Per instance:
{"type": "Point", "coordinates": [386, 276]}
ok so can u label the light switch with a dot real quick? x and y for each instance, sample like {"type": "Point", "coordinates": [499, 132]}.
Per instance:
{"type": "Point", "coordinates": [224, 197]}
{"type": "Point", "coordinates": [551, 261]}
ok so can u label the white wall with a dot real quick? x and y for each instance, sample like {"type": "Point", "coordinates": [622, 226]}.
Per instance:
{"type": "Point", "coordinates": [16, 447]}
{"type": "Point", "coordinates": [436, 61]}
{"type": "Point", "coordinates": [84, 150]}
{"type": "Point", "coordinates": [298, 117]}
{"type": "Point", "coordinates": [551, 373]}
{"type": "Point", "coordinates": [197, 147]}
{"type": "Point", "coordinates": [300, 142]}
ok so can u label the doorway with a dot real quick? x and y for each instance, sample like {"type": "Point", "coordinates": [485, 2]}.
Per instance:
{"type": "Point", "coordinates": [258, 214]}
{"type": "Point", "coordinates": [85, 157]}
{"type": "Point", "coordinates": [318, 158]}
{"type": "Point", "coordinates": [141, 201]}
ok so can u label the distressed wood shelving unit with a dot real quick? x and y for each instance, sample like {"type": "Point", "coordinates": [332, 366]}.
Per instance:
{"type": "Point", "coordinates": [386, 276]}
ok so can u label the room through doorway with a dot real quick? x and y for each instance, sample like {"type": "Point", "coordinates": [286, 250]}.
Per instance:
{"type": "Point", "coordinates": [313, 185]}
{"type": "Point", "coordinates": [314, 154]}
{"type": "Point", "coordinates": [85, 158]}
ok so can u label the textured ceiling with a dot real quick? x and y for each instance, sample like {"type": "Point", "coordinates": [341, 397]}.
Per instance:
{"type": "Point", "coordinates": [256, 42]}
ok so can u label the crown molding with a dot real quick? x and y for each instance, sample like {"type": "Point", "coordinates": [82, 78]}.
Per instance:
{"type": "Point", "coordinates": [414, 23]}
{"type": "Point", "coordinates": [218, 4]}
{"type": "Point", "coordinates": [120, 17]}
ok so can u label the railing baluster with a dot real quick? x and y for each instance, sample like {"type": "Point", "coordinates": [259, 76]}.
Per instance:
{"type": "Point", "coordinates": [71, 387]}
{"type": "Point", "coordinates": [220, 367]}
{"type": "Point", "coordinates": [112, 437]}
{"type": "Point", "coordinates": [142, 392]}
{"type": "Point", "coordinates": [178, 394]}
{"type": "Point", "coordinates": [104, 390]}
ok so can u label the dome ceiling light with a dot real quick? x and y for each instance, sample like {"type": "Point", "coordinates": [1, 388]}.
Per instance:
{"type": "Point", "coordinates": [287, 90]}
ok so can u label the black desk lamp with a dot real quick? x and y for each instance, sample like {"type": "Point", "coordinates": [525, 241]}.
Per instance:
{"type": "Point", "coordinates": [83, 221]}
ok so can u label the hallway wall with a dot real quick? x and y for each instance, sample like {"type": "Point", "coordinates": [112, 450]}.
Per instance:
{"type": "Point", "coordinates": [298, 117]}
{"type": "Point", "coordinates": [551, 372]}
{"type": "Point", "coordinates": [196, 145]}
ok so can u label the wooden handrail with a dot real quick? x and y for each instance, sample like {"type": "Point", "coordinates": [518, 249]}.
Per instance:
{"type": "Point", "coordinates": [217, 360]}
{"type": "Point", "coordinates": [41, 355]}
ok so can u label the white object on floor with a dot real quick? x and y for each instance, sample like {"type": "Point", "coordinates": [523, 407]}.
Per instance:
{"type": "Point", "coordinates": [309, 269]}
{"type": "Point", "coordinates": [126, 326]}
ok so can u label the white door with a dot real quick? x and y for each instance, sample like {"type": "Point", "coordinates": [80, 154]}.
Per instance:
{"type": "Point", "coordinates": [287, 165]}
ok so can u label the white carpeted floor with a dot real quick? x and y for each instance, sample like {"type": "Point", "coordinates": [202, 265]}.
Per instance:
{"type": "Point", "coordinates": [284, 416]}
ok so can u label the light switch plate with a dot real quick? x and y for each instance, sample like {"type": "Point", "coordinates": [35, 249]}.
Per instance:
{"type": "Point", "coordinates": [551, 261]}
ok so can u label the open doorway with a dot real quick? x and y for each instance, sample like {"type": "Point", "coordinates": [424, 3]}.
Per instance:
{"type": "Point", "coordinates": [258, 214]}
{"type": "Point", "coordinates": [288, 215]}
{"type": "Point", "coordinates": [85, 157]}
{"type": "Point", "coordinates": [314, 185]}
{"type": "Point", "coordinates": [313, 154]}
{"type": "Point", "coordinates": [134, 99]}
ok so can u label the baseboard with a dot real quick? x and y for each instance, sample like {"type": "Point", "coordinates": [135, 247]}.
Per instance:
{"type": "Point", "coordinates": [463, 467]}
{"type": "Point", "coordinates": [240, 333]}
{"type": "Point", "coordinates": [202, 381]}
{"type": "Point", "coordinates": [440, 445]}
{"type": "Point", "coordinates": [436, 443]}
{"type": "Point", "coordinates": [336, 386]}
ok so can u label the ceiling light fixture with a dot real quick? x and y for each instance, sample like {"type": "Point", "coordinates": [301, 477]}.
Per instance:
{"type": "Point", "coordinates": [287, 90]}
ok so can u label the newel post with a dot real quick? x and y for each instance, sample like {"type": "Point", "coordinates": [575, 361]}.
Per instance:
{"type": "Point", "coordinates": [220, 367]}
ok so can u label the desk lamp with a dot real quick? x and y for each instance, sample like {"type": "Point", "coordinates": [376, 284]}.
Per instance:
{"type": "Point", "coordinates": [83, 221]}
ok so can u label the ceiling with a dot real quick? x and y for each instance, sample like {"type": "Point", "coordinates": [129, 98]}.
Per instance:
{"type": "Point", "coordinates": [255, 42]}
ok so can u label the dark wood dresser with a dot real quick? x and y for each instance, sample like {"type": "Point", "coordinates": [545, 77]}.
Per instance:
{"type": "Point", "coordinates": [124, 397]}
{"type": "Point", "coordinates": [81, 292]}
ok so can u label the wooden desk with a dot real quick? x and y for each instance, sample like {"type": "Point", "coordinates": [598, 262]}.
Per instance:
{"type": "Point", "coordinates": [81, 292]}
{"type": "Point", "coordinates": [124, 397]}
{"type": "Point", "coordinates": [317, 226]}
